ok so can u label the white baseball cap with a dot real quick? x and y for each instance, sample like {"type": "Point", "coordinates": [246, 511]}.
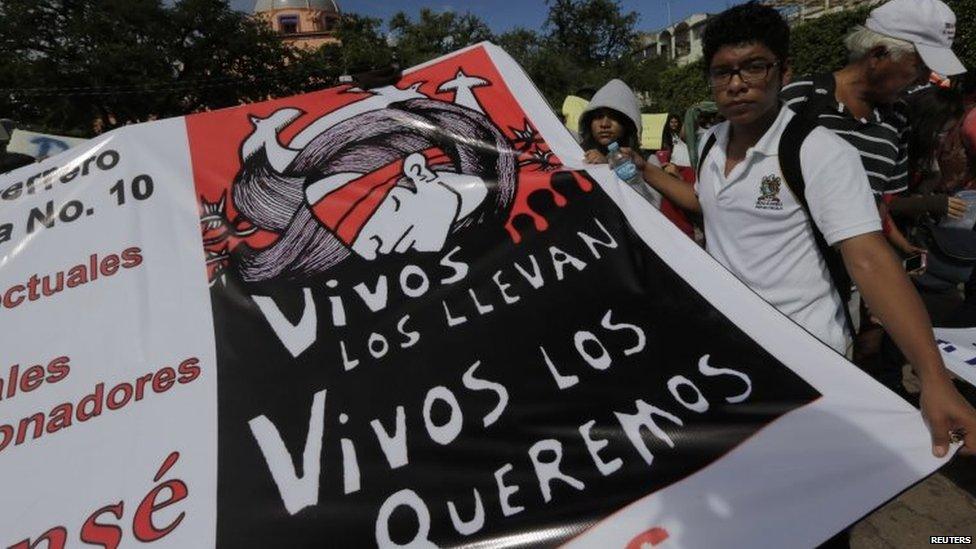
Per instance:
{"type": "Point", "coordinates": [928, 24]}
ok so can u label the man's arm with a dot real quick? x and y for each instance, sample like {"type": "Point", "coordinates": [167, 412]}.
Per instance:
{"type": "Point", "coordinates": [892, 298]}
{"type": "Point", "coordinates": [938, 204]}
{"type": "Point", "coordinates": [673, 188]}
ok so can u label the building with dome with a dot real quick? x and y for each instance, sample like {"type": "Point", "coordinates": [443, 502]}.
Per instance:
{"type": "Point", "coordinates": [307, 24]}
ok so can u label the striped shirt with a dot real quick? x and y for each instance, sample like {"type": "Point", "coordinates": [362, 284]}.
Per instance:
{"type": "Point", "coordinates": [882, 138]}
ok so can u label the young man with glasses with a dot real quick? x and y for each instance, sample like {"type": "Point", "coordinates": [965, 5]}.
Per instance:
{"type": "Point", "coordinates": [757, 229]}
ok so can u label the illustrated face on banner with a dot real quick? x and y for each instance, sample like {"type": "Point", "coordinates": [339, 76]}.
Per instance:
{"type": "Point", "coordinates": [419, 215]}
{"type": "Point", "coordinates": [411, 204]}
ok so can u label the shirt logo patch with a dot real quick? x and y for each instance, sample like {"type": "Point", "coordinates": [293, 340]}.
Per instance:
{"type": "Point", "coordinates": [769, 193]}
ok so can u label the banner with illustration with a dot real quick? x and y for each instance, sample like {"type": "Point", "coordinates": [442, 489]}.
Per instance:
{"type": "Point", "coordinates": [404, 317]}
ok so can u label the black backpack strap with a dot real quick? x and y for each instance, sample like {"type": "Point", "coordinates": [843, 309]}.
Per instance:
{"type": "Point", "coordinates": [796, 132]}
{"type": "Point", "coordinates": [701, 158]}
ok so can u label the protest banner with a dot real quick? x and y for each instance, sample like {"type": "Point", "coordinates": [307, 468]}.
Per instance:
{"type": "Point", "coordinates": [405, 316]}
{"type": "Point", "coordinates": [958, 347]}
{"type": "Point", "coordinates": [572, 110]}
{"type": "Point", "coordinates": [652, 136]}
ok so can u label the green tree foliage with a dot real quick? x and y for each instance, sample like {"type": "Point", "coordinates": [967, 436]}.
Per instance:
{"type": "Point", "coordinates": [520, 43]}
{"type": "Point", "coordinates": [54, 44]}
{"type": "Point", "coordinates": [818, 45]}
{"type": "Point", "coordinates": [122, 61]}
{"type": "Point", "coordinates": [674, 88]}
{"type": "Point", "coordinates": [241, 57]}
{"type": "Point", "coordinates": [591, 31]}
{"type": "Point", "coordinates": [585, 43]}
{"type": "Point", "coordinates": [66, 65]}
{"type": "Point", "coordinates": [965, 43]}
{"type": "Point", "coordinates": [362, 48]}
{"type": "Point", "coordinates": [434, 34]}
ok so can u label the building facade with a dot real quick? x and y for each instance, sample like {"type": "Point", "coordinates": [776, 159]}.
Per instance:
{"type": "Point", "coordinates": [307, 24]}
{"type": "Point", "coordinates": [805, 10]}
{"type": "Point", "coordinates": [680, 42]}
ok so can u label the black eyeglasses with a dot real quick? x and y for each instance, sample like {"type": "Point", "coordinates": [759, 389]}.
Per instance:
{"type": "Point", "coordinates": [753, 72]}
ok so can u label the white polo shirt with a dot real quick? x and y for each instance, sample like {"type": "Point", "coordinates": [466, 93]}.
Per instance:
{"type": "Point", "coordinates": [756, 228]}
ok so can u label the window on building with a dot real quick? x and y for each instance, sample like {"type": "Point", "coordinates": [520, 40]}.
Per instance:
{"type": "Point", "coordinates": [288, 24]}
{"type": "Point", "coordinates": [682, 40]}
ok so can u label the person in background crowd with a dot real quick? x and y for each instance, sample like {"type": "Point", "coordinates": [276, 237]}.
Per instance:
{"type": "Point", "coordinates": [613, 116]}
{"type": "Point", "coordinates": [958, 157]}
{"type": "Point", "coordinates": [955, 158]}
{"type": "Point", "coordinates": [768, 238]}
{"type": "Point", "coordinates": [676, 160]}
{"type": "Point", "coordinates": [935, 113]}
{"type": "Point", "coordinates": [698, 119]}
{"type": "Point", "coordinates": [895, 48]}
{"type": "Point", "coordinates": [668, 133]}
{"type": "Point", "coordinates": [899, 45]}
{"type": "Point", "coordinates": [673, 147]}
{"type": "Point", "coordinates": [956, 161]}
{"type": "Point", "coordinates": [672, 129]}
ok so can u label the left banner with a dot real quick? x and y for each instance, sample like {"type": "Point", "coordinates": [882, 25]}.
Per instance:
{"type": "Point", "coordinates": [108, 381]}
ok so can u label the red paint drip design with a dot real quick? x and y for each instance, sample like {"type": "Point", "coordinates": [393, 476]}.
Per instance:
{"type": "Point", "coordinates": [529, 182]}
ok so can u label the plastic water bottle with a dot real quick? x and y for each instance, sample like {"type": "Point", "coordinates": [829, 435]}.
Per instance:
{"type": "Point", "coordinates": [627, 171]}
{"type": "Point", "coordinates": [623, 166]}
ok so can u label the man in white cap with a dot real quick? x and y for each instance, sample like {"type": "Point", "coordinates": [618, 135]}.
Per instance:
{"type": "Point", "coordinates": [900, 44]}
{"type": "Point", "coordinates": [930, 25]}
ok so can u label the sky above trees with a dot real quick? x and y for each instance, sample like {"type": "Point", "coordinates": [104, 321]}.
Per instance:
{"type": "Point", "coordinates": [502, 15]}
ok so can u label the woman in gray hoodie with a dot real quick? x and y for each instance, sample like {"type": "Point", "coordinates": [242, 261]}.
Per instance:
{"type": "Point", "coordinates": [613, 116]}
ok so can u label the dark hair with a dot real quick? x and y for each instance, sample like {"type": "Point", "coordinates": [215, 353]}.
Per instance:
{"type": "Point", "coordinates": [627, 139]}
{"type": "Point", "coordinates": [749, 23]}
{"type": "Point", "coordinates": [275, 202]}
{"type": "Point", "coordinates": [929, 110]}
{"type": "Point", "coordinates": [667, 135]}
